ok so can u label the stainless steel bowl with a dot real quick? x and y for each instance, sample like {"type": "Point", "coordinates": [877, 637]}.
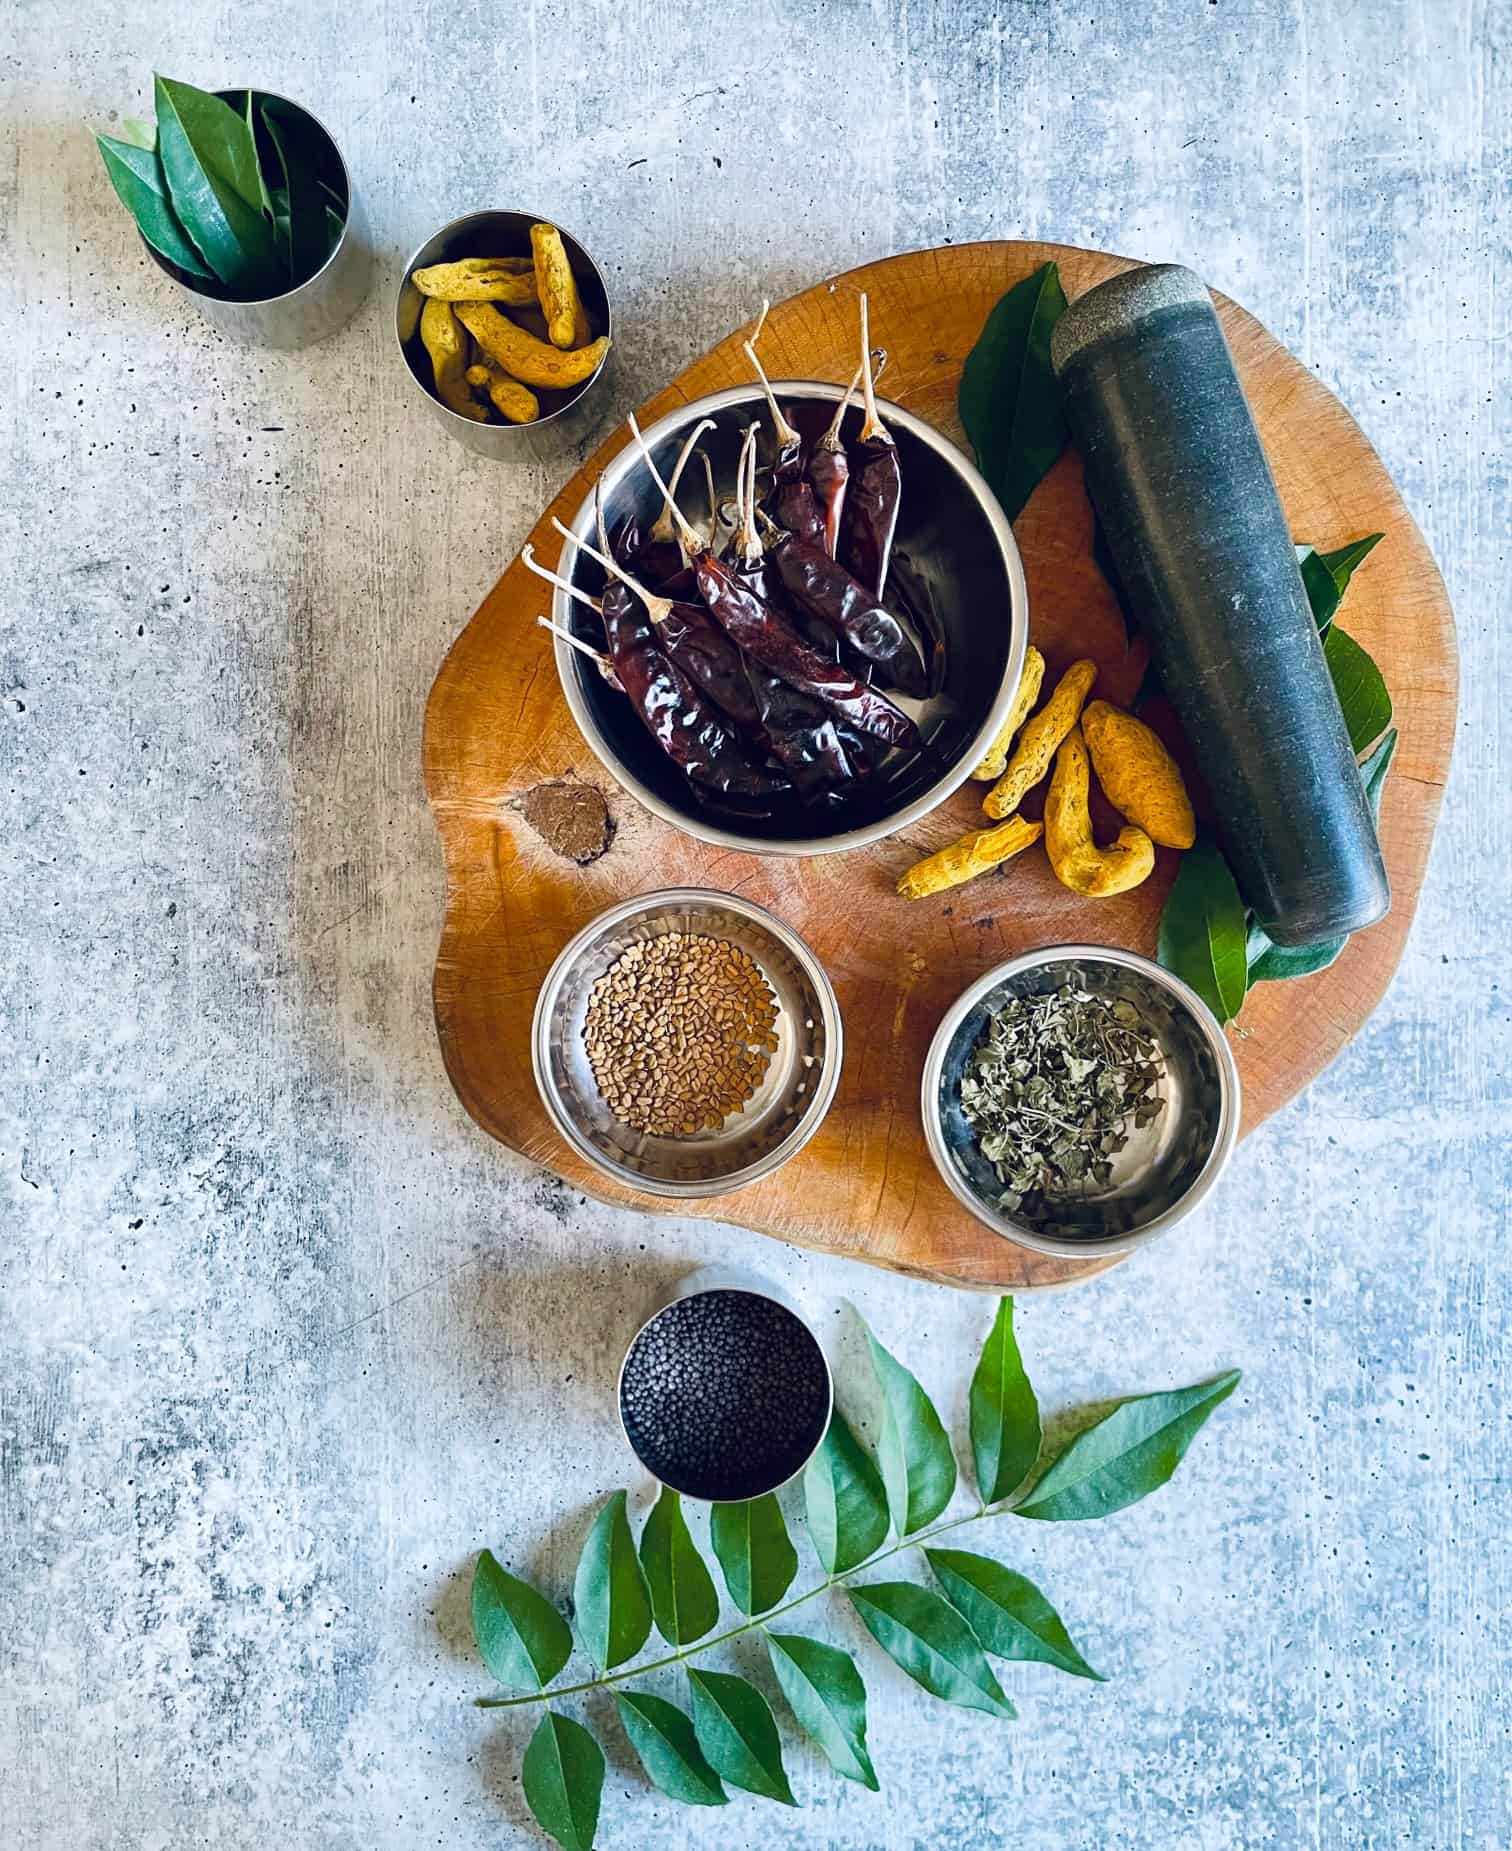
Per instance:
{"type": "Point", "coordinates": [1165, 1169]}
{"type": "Point", "coordinates": [773, 1126]}
{"type": "Point", "coordinates": [952, 527]}
{"type": "Point", "coordinates": [568, 419]}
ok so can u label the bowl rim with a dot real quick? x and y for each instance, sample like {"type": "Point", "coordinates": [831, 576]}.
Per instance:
{"type": "Point", "coordinates": [813, 1114]}
{"type": "Point", "coordinates": [1229, 1098]}
{"type": "Point", "coordinates": [414, 262]}
{"type": "Point", "coordinates": [680, 419]}
{"type": "Point", "coordinates": [751, 1291]}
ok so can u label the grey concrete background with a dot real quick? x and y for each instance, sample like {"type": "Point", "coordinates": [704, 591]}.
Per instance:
{"type": "Point", "coordinates": [284, 1340]}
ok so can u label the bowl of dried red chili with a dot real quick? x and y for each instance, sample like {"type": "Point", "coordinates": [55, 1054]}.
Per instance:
{"type": "Point", "coordinates": [776, 674]}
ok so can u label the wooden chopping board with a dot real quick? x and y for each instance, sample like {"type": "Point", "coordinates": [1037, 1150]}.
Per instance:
{"type": "Point", "coordinates": [497, 725]}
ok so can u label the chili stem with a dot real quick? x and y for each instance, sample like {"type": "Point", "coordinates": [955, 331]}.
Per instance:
{"type": "Point", "coordinates": [527, 556]}
{"type": "Point", "coordinates": [684, 526]}
{"type": "Point", "coordinates": [873, 427]}
{"type": "Point", "coordinates": [661, 527]}
{"type": "Point", "coordinates": [659, 608]}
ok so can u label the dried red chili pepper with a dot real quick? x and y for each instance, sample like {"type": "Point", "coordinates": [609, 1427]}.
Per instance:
{"type": "Point", "coordinates": [792, 496]}
{"type": "Point", "coordinates": [829, 472]}
{"type": "Point", "coordinates": [876, 486]}
{"type": "Point", "coordinates": [821, 586]}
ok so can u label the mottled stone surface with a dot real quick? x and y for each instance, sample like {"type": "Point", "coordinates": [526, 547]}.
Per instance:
{"type": "Point", "coordinates": [284, 1340]}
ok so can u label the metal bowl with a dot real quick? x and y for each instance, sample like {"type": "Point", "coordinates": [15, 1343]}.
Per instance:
{"type": "Point", "coordinates": [1165, 1169]}
{"type": "Point", "coordinates": [773, 1125]}
{"type": "Point", "coordinates": [567, 419]}
{"type": "Point", "coordinates": [950, 525]}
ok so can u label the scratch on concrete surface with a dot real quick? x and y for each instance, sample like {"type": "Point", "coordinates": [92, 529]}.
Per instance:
{"type": "Point", "coordinates": [234, 1552]}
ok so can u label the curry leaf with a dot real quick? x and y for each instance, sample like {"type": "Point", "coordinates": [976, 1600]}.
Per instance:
{"type": "Point", "coordinates": [738, 1735]}
{"type": "Point", "coordinates": [1127, 1454]}
{"type": "Point", "coordinates": [563, 1778]}
{"type": "Point", "coordinates": [682, 1591]}
{"type": "Point", "coordinates": [1006, 1611]}
{"type": "Point", "coordinates": [137, 177]}
{"type": "Point", "coordinates": [139, 133]}
{"type": "Point", "coordinates": [1005, 1422]}
{"type": "Point", "coordinates": [662, 1736]}
{"type": "Point", "coordinates": [825, 1692]}
{"type": "Point", "coordinates": [1202, 930]}
{"type": "Point", "coordinates": [214, 183]}
{"type": "Point", "coordinates": [845, 1500]}
{"type": "Point", "coordinates": [755, 1552]}
{"type": "Point", "coordinates": [1327, 575]}
{"type": "Point", "coordinates": [609, 1594]}
{"type": "Point", "coordinates": [918, 1467]}
{"type": "Point", "coordinates": [313, 227]}
{"type": "Point", "coordinates": [1008, 400]}
{"type": "Point", "coordinates": [522, 1638]}
{"type": "Point", "coordinates": [932, 1642]}
{"type": "Point", "coordinates": [1360, 686]}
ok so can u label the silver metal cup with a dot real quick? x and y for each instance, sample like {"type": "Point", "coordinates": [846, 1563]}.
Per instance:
{"type": "Point", "coordinates": [320, 306]}
{"type": "Point", "coordinates": [561, 428]}
{"type": "Point", "coordinates": [696, 1406]}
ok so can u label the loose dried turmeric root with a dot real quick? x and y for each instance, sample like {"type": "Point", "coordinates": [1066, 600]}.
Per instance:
{"type": "Point", "coordinates": [1036, 747]}
{"type": "Point", "coordinates": [525, 358]}
{"type": "Point", "coordinates": [1025, 695]}
{"type": "Point", "coordinates": [446, 344]}
{"type": "Point", "coordinates": [1138, 775]}
{"type": "Point", "coordinates": [566, 319]}
{"type": "Point", "coordinates": [479, 279]}
{"type": "Point", "coordinates": [515, 403]}
{"type": "Point", "coordinates": [974, 854]}
{"type": "Point", "coordinates": [1077, 860]}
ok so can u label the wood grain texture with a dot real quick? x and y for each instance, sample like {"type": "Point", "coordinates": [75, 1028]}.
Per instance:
{"type": "Point", "coordinates": [496, 724]}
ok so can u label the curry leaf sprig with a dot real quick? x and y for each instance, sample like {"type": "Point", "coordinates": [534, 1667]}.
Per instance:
{"type": "Point", "coordinates": [237, 198]}
{"type": "Point", "coordinates": [1207, 934]}
{"type": "Point", "coordinates": [862, 1508]}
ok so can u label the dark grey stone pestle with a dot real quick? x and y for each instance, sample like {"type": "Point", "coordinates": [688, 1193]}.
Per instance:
{"type": "Point", "coordinates": [1192, 518]}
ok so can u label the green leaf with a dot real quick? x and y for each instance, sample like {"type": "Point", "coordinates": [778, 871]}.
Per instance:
{"type": "Point", "coordinates": [1373, 771]}
{"type": "Point", "coordinates": [932, 1642]}
{"type": "Point", "coordinates": [825, 1693]}
{"type": "Point", "coordinates": [737, 1733]}
{"type": "Point", "coordinates": [137, 177]}
{"type": "Point", "coordinates": [213, 181]}
{"type": "Point", "coordinates": [563, 1778]}
{"type": "Point", "coordinates": [662, 1735]}
{"type": "Point", "coordinates": [609, 1593]}
{"type": "Point", "coordinates": [845, 1500]}
{"type": "Point", "coordinates": [1006, 1611]}
{"type": "Point", "coordinates": [310, 236]}
{"type": "Point", "coordinates": [249, 116]}
{"type": "Point", "coordinates": [682, 1591]}
{"type": "Point", "coordinates": [138, 133]}
{"type": "Point", "coordinates": [918, 1467]}
{"type": "Point", "coordinates": [1360, 686]}
{"type": "Point", "coordinates": [1202, 930]}
{"type": "Point", "coordinates": [1008, 399]}
{"type": "Point", "coordinates": [1127, 1454]}
{"type": "Point", "coordinates": [1327, 575]}
{"type": "Point", "coordinates": [755, 1551]}
{"type": "Point", "coordinates": [522, 1638]}
{"type": "Point", "coordinates": [1005, 1421]}
{"type": "Point", "coordinates": [1269, 963]}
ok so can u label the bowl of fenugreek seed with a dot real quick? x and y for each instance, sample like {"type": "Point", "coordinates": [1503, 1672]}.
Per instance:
{"type": "Point", "coordinates": [1080, 1099]}
{"type": "Point", "coordinates": [686, 1043]}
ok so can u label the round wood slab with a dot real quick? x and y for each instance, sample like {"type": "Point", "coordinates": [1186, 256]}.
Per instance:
{"type": "Point", "coordinates": [497, 726]}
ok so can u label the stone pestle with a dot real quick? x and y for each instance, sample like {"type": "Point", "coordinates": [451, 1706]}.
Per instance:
{"type": "Point", "coordinates": [1189, 508]}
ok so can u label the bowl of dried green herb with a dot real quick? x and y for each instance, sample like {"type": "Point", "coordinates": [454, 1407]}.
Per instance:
{"type": "Point", "coordinates": [1080, 1099]}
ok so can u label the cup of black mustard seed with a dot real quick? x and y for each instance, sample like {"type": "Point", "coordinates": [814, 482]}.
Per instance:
{"type": "Point", "coordinates": [725, 1393]}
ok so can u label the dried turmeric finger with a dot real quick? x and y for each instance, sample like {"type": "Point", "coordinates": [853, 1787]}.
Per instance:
{"type": "Point", "coordinates": [525, 358]}
{"type": "Point", "coordinates": [1139, 775]}
{"type": "Point", "coordinates": [446, 344]}
{"type": "Point", "coordinates": [557, 288]}
{"type": "Point", "coordinates": [974, 854]}
{"type": "Point", "coordinates": [1077, 860]}
{"type": "Point", "coordinates": [515, 403]}
{"type": "Point", "coordinates": [479, 279]}
{"type": "Point", "coordinates": [1036, 747]}
{"type": "Point", "coordinates": [1025, 695]}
